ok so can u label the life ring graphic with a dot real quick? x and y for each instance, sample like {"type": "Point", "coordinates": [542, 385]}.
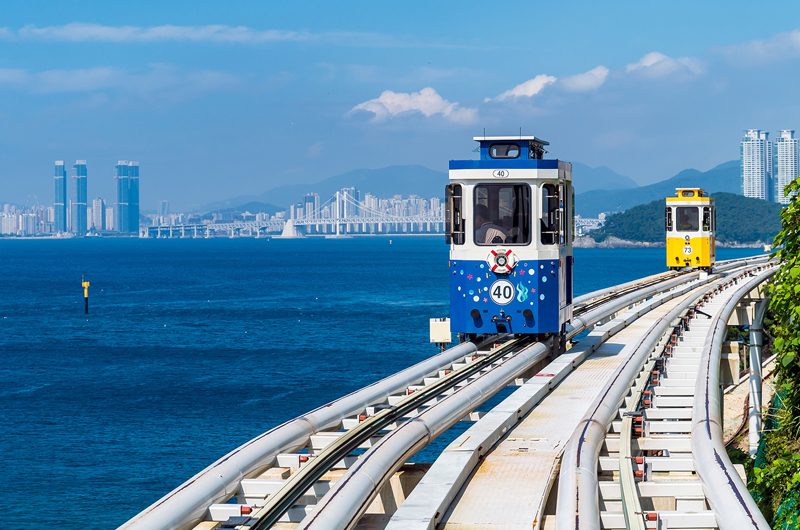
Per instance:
{"type": "Point", "coordinates": [501, 261]}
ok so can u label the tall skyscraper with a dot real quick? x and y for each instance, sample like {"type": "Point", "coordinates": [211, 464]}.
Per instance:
{"type": "Point", "coordinates": [99, 214]}
{"type": "Point", "coordinates": [79, 221]}
{"type": "Point", "coordinates": [787, 163]}
{"type": "Point", "coordinates": [121, 212]}
{"type": "Point", "coordinates": [756, 164]}
{"type": "Point", "coordinates": [310, 205]}
{"type": "Point", "coordinates": [109, 218]}
{"type": "Point", "coordinates": [162, 209]}
{"type": "Point", "coordinates": [133, 197]}
{"type": "Point", "coordinates": [60, 203]}
{"type": "Point", "coordinates": [126, 208]}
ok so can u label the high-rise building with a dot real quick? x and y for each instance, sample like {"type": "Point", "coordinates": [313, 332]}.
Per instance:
{"type": "Point", "coordinates": [79, 221]}
{"type": "Point", "coordinates": [99, 214]}
{"type": "Point", "coordinates": [126, 208]}
{"type": "Point", "coordinates": [787, 163]}
{"type": "Point", "coordinates": [310, 205]}
{"type": "Point", "coordinates": [109, 218]}
{"type": "Point", "coordinates": [60, 204]}
{"type": "Point", "coordinates": [163, 209]}
{"type": "Point", "coordinates": [133, 197]}
{"type": "Point", "coordinates": [756, 164]}
{"type": "Point", "coordinates": [121, 212]}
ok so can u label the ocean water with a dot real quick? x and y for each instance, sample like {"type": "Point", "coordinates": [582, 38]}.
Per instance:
{"type": "Point", "coordinates": [194, 346]}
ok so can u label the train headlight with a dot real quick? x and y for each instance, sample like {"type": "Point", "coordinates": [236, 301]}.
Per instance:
{"type": "Point", "coordinates": [501, 261]}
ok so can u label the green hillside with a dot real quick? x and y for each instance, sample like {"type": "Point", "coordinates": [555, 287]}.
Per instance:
{"type": "Point", "coordinates": [725, 177]}
{"type": "Point", "coordinates": [739, 219]}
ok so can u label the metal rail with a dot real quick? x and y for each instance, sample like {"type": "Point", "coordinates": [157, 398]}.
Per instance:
{"type": "Point", "coordinates": [188, 503]}
{"type": "Point", "coordinates": [282, 500]}
{"type": "Point", "coordinates": [578, 486]}
{"type": "Point", "coordinates": [631, 507]}
{"type": "Point", "coordinates": [727, 495]}
{"type": "Point", "coordinates": [305, 477]}
{"type": "Point", "coordinates": [337, 510]}
{"type": "Point", "coordinates": [577, 506]}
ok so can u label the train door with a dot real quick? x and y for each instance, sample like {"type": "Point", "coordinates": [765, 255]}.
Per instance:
{"type": "Point", "coordinates": [562, 247]}
{"type": "Point", "coordinates": [553, 231]}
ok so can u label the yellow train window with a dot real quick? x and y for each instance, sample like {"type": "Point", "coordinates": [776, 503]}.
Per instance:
{"type": "Point", "coordinates": [687, 193]}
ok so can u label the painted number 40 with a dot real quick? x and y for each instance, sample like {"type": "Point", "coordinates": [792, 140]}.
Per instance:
{"type": "Point", "coordinates": [502, 292]}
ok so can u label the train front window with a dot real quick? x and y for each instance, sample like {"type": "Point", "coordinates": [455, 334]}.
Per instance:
{"type": "Point", "coordinates": [504, 151]}
{"type": "Point", "coordinates": [687, 219]}
{"type": "Point", "coordinates": [502, 214]}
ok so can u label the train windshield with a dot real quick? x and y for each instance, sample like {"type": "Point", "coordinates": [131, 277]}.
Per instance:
{"type": "Point", "coordinates": [502, 214]}
{"type": "Point", "coordinates": [688, 219]}
{"type": "Point", "coordinates": [504, 151]}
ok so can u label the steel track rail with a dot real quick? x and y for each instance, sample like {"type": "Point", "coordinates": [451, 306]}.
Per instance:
{"type": "Point", "coordinates": [337, 512]}
{"type": "Point", "coordinates": [343, 448]}
{"type": "Point", "coordinates": [727, 495]}
{"type": "Point", "coordinates": [577, 507]}
{"type": "Point", "coordinates": [188, 502]}
{"type": "Point", "coordinates": [294, 488]}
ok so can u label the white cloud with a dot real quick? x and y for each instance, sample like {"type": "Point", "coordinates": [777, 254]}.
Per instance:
{"type": "Point", "coordinates": [427, 101]}
{"type": "Point", "coordinates": [160, 80]}
{"type": "Point", "coordinates": [590, 80]}
{"type": "Point", "coordinates": [81, 32]}
{"type": "Point", "coordinates": [220, 33]}
{"type": "Point", "coordinates": [778, 47]}
{"type": "Point", "coordinates": [527, 89]}
{"type": "Point", "coordinates": [656, 65]}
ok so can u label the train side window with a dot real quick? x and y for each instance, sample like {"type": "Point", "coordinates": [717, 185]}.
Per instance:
{"type": "Point", "coordinates": [668, 219]}
{"type": "Point", "coordinates": [551, 215]}
{"type": "Point", "coordinates": [454, 222]}
{"type": "Point", "coordinates": [687, 219]}
{"type": "Point", "coordinates": [706, 219]}
{"type": "Point", "coordinates": [572, 203]}
{"type": "Point", "coordinates": [504, 151]}
{"type": "Point", "coordinates": [713, 219]}
{"type": "Point", "coordinates": [502, 214]}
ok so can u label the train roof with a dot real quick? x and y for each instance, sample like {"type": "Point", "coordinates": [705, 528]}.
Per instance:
{"type": "Point", "coordinates": [510, 138]}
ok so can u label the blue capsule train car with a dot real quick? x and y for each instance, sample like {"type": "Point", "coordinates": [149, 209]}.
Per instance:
{"type": "Point", "coordinates": [510, 227]}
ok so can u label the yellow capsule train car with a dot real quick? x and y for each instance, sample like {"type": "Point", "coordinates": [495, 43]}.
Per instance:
{"type": "Point", "coordinates": [690, 220]}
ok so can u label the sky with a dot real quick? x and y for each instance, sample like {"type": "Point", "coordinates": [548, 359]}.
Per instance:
{"type": "Point", "coordinates": [219, 99]}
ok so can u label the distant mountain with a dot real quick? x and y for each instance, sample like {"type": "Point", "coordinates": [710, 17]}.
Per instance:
{"type": "Point", "coordinates": [384, 183]}
{"type": "Point", "coordinates": [585, 178]}
{"type": "Point", "coordinates": [254, 207]}
{"type": "Point", "coordinates": [725, 177]}
{"type": "Point", "coordinates": [739, 219]}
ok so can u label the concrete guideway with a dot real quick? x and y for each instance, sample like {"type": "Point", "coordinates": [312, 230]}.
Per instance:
{"type": "Point", "coordinates": [260, 469]}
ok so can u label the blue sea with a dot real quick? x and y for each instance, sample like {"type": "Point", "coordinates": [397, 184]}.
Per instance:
{"type": "Point", "coordinates": [194, 346]}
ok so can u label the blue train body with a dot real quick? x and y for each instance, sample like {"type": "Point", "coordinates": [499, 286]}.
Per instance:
{"type": "Point", "coordinates": [509, 225]}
